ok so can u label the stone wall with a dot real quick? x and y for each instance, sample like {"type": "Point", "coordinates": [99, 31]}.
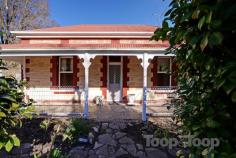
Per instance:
{"type": "Point", "coordinates": [38, 71]}
{"type": "Point", "coordinates": [95, 75]}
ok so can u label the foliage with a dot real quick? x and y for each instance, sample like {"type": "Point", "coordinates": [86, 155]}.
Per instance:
{"type": "Point", "coordinates": [161, 133]}
{"type": "Point", "coordinates": [23, 15]}
{"type": "Point", "coordinates": [13, 69]}
{"type": "Point", "coordinates": [58, 131]}
{"type": "Point", "coordinates": [56, 153]}
{"type": "Point", "coordinates": [202, 33]}
{"type": "Point", "coordinates": [12, 109]}
{"type": "Point", "coordinates": [45, 124]}
{"type": "Point", "coordinates": [77, 127]}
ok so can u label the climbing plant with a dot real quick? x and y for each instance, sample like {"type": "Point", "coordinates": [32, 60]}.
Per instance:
{"type": "Point", "coordinates": [201, 33]}
{"type": "Point", "coordinates": [13, 109]}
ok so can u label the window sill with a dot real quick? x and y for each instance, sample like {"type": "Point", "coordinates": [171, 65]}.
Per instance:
{"type": "Point", "coordinates": [64, 92]}
{"type": "Point", "coordinates": [159, 89]}
{"type": "Point", "coordinates": [64, 87]}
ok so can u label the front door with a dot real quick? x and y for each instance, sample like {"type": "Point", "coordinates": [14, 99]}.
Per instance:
{"type": "Point", "coordinates": [114, 89]}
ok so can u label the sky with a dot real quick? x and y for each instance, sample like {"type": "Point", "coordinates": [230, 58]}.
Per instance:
{"type": "Point", "coordinates": [74, 12]}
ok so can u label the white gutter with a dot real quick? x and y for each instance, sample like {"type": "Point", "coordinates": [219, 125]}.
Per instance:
{"type": "Point", "coordinates": [74, 49]}
{"type": "Point", "coordinates": [60, 36]}
{"type": "Point", "coordinates": [75, 32]}
{"type": "Point", "coordinates": [47, 55]}
{"type": "Point", "coordinates": [79, 34]}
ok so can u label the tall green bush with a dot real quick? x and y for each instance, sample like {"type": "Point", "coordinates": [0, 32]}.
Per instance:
{"type": "Point", "coordinates": [12, 110]}
{"type": "Point", "coordinates": [202, 35]}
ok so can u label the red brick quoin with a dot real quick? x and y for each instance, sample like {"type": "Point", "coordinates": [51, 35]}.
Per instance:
{"type": "Point", "coordinates": [154, 72]}
{"type": "Point", "coordinates": [54, 71]}
{"type": "Point", "coordinates": [104, 76]}
{"type": "Point", "coordinates": [125, 78]}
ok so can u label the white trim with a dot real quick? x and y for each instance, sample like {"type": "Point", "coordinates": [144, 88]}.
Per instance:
{"type": "Point", "coordinates": [76, 36]}
{"type": "Point", "coordinates": [49, 55]}
{"type": "Point", "coordinates": [80, 32]}
{"type": "Point", "coordinates": [58, 89]}
{"type": "Point", "coordinates": [68, 49]}
{"type": "Point", "coordinates": [165, 91]}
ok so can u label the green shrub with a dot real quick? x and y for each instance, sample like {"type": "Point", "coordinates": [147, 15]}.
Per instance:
{"type": "Point", "coordinates": [202, 34]}
{"type": "Point", "coordinates": [12, 110]}
{"type": "Point", "coordinates": [77, 127]}
{"type": "Point", "coordinates": [161, 133]}
{"type": "Point", "coordinates": [58, 129]}
{"type": "Point", "coordinates": [56, 153]}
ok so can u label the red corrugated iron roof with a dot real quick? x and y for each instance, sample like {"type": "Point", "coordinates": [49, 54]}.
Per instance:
{"type": "Point", "coordinates": [90, 28]}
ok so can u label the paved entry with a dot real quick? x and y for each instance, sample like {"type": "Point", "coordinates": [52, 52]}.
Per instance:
{"type": "Point", "coordinates": [113, 112]}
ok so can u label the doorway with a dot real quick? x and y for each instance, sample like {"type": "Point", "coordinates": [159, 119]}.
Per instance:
{"type": "Point", "coordinates": [114, 79]}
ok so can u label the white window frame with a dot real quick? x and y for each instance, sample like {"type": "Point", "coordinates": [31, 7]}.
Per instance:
{"type": "Point", "coordinates": [64, 72]}
{"type": "Point", "coordinates": [164, 72]}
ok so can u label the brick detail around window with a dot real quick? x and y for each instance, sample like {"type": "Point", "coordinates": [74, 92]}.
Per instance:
{"type": "Point", "coordinates": [27, 61]}
{"type": "Point", "coordinates": [27, 69]}
{"type": "Point", "coordinates": [54, 71]}
{"type": "Point", "coordinates": [154, 72]}
{"type": "Point", "coordinates": [75, 71]}
{"type": "Point", "coordinates": [125, 78]}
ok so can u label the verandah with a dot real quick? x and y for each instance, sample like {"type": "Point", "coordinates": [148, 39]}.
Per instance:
{"type": "Point", "coordinates": [144, 56]}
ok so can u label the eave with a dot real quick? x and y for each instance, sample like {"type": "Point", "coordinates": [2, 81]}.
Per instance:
{"type": "Point", "coordinates": [57, 34]}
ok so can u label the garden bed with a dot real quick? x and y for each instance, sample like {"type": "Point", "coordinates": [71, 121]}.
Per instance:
{"type": "Point", "coordinates": [119, 139]}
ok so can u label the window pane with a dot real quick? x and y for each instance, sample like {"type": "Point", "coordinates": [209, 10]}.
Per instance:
{"type": "Point", "coordinates": [66, 79]}
{"type": "Point", "coordinates": [163, 79]}
{"type": "Point", "coordinates": [163, 65]}
{"type": "Point", "coordinates": [66, 64]}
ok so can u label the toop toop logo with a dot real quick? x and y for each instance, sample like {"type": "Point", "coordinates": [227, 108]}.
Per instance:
{"type": "Point", "coordinates": [189, 140]}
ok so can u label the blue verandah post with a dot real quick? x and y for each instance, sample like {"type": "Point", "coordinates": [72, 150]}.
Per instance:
{"type": "Point", "coordinates": [86, 64]}
{"type": "Point", "coordinates": [85, 115]}
{"type": "Point", "coordinates": [144, 111]}
{"type": "Point", "coordinates": [145, 65]}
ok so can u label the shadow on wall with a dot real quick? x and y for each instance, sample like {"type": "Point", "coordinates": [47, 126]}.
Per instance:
{"type": "Point", "coordinates": [13, 69]}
